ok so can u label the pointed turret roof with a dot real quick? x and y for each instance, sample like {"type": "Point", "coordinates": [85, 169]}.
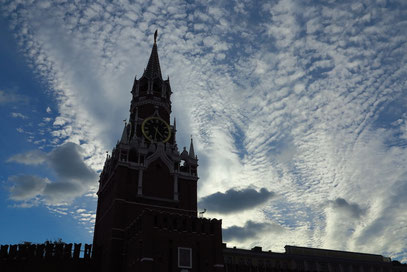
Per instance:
{"type": "Point", "coordinates": [125, 137]}
{"type": "Point", "coordinates": [153, 69]}
{"type": "Point", "coordinates": [191, 149]}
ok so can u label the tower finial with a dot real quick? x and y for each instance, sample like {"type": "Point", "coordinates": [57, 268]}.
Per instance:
{"type": "Point", "coordinates": [155, 35]}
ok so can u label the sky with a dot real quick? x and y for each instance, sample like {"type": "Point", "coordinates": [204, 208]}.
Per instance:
{"type": "Point", "coordinates": [297, 110]}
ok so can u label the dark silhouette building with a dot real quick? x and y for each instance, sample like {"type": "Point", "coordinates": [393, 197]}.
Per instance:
{"type": "Point", "coordinates": [146, 219]}
{"type": "Point", "coordinates": [146, 216]}
{"type": "Point", "coordinates": [306, 259]}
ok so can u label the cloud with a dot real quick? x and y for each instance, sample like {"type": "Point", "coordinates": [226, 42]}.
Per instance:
{"type": "Point", "coordinates": [350, 210]}
{"type": "Point", "coordinates": [74, 177]}
{"type": "Point", "coordinates": [18, 115]}
{"type": "Point", "coordinates": [67, 161]}
{"type": "Point", "coordinates": [48, 110]}
{"type": "Point", "coordinates": [235, 200]}
{"type": "Point", "coordinates": [392, 208]}
{"type": "Point", "coordinates": [33, 157]}
{"type": "Point", "coordinates": [63, 192]}
{"type": "Point", "coordinates": [26, 187]}
{"type": "Point", "coordinates": [251, 230]}
{"type": "Point", "coordinates": [342, 221]}
{"type": "Point", "coordinates": [10, 97]}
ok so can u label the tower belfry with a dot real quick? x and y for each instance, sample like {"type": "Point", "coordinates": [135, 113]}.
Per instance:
{"type": "Point", "coordinates": [146, 216]}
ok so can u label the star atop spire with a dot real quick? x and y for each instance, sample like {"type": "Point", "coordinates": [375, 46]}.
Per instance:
{"type": "Point", "coordinates": [153, 69]}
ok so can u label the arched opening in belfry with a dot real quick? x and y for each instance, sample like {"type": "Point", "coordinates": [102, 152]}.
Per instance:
{"type": "Point", "coordinates": [133, 155]}
{"type": "Point", "coordinates": [143, 87]}
{"type": "Point", "coordinates": [157, 88]}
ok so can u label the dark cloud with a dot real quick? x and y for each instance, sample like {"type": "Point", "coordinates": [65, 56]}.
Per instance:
{"type": "Point", "coordinates": [250, 230]}
{"type": "Point", "coordinates": [233, 200]}
{"type": "Point", "coordinates": [67, 161]}
{"type": "Point", "coordinates": [348, 209]}
{"type": "Point", "coordinates": [26, 187]}
{"type": "Point", "coordinates": [74, 177]}
{"type": "Point", "coordinates": [65, 191]}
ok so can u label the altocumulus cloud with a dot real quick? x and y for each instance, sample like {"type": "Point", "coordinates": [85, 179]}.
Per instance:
{"type": "Point", "coordinates": [74, 177]}
{"type": "Point", "coordinates": [235, 200]}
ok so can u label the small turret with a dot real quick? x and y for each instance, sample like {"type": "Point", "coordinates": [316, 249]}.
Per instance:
{"type": "Point", "coordinates": [125, 137]}
{"type": "Point", "coordinates": [184, 154]}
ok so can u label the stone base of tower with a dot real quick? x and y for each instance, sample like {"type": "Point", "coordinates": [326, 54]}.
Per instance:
{"type": "Point", "coordinates": [109, 256]}
{"type": "Point", "coordinates": [159, 241]}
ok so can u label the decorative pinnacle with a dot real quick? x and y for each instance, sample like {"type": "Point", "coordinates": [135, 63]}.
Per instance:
{"type": "Point", "coordinates": [155, 35]}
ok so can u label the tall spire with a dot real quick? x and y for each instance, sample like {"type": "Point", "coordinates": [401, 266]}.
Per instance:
{"type": "Point", "coordinates": [153, 69]}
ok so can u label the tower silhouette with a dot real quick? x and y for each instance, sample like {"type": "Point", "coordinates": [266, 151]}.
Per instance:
{"type": "Point", "coordinates": [146, 217]}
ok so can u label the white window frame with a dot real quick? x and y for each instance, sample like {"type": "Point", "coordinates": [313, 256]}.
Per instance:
{"type": "Point", "coordinates": [190, 257]}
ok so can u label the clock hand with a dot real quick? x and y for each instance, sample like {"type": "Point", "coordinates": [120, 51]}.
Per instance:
{"type": "Point", "coordinates": [159, 133]}
{"type": "Point", "coordinates": [155, 134]}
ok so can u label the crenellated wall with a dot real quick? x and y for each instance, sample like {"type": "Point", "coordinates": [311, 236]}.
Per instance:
{"type": "Point", "coordinates": [46, 257]}
{"type": "Point", "coordinates": [165, 221]}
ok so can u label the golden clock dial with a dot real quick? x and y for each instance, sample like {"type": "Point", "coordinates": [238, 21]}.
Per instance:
{"type": "Point", "coordinates": [156, 129]}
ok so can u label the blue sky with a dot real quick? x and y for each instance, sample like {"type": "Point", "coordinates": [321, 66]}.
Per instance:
{"type": "Point", "coordinates": [297, 109]}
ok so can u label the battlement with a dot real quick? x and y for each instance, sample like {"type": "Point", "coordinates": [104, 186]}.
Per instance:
{"type": "Point", "coordinates": [45, 251]}
{"type": "Point", "coordinates": [172, 222]}
{"type": "Point", "coordinates": [46, 257]}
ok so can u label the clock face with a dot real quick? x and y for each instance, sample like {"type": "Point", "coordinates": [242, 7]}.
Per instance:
{"type": "Point", "coordinates": [156, 129]}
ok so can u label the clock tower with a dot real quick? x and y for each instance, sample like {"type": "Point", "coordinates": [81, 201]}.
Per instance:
{"type": "Point", "coordinates": [146, 217]}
